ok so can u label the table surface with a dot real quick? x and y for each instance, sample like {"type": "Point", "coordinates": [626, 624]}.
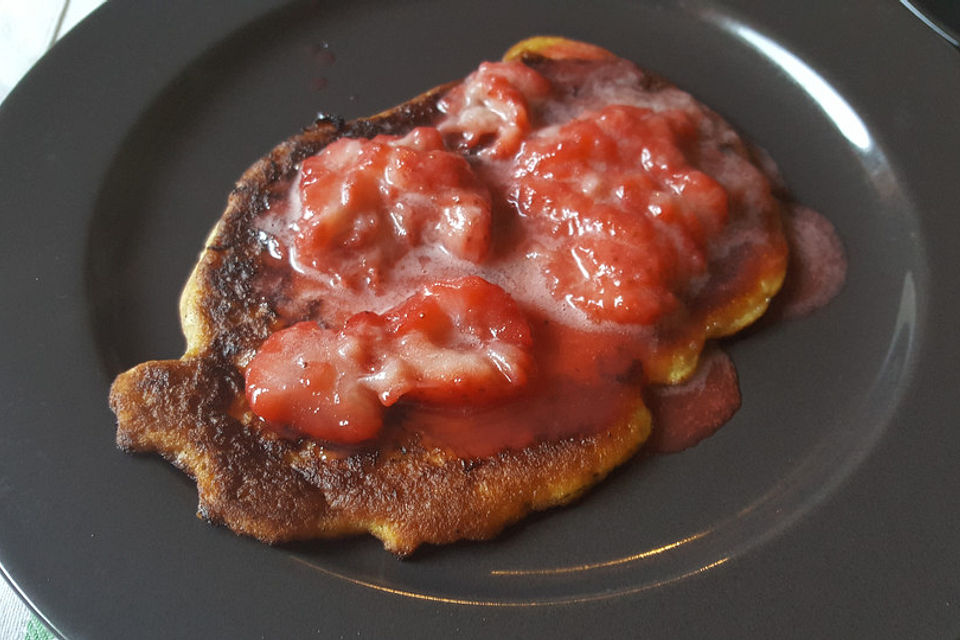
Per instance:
{"type": "Point", "coordinates": [27, 30]}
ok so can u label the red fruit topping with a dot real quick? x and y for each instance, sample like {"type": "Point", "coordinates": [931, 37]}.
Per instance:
{"type": "Point", "coordinates": [465, 341]}
{"type": "Point", "coordinates": [368, 202]}
{"type": "Point", "coordinates": [491, 111]}
{"type": "Point", "coordinates": [627, 220]}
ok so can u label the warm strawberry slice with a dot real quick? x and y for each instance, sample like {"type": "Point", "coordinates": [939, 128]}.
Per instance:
{"type": "Point", "coordinates": [366, 203]}
{"type": "Point", "coordinates": [466, 341]}
{"type": "Point", "coordinates": [628, 219]}
{"type": "Point", "coordinates": [491, 111]}
{"type": "Point", "coordinates": [463, 341]}
{"type": "Point", "coordinates": [308, 379]}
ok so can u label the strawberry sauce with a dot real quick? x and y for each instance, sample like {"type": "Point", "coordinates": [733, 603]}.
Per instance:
{"type": "Point", "coordinates": [553, 252]}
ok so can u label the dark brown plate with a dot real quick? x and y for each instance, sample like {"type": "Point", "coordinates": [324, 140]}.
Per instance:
{"type": "Point", "coordinates": [827, 508]}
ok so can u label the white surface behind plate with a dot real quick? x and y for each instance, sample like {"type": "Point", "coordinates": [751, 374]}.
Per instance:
{"type": "Point", "coordinates": [28, 28]}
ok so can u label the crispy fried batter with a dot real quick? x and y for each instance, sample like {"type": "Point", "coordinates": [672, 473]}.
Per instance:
{"type": "Point", "coordinates": [277, 490]}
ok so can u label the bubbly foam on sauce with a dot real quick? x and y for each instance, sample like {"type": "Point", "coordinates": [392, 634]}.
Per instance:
{"type": "Point", "coordinates": [513, 270]}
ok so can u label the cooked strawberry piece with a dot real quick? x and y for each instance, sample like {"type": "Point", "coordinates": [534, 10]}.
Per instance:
{"type": "Point", "coordinates": [300, 379]}
{"type": "Point", "coordinates": [491, 112]}
{"type": "Point", "coordinates": [463, 341]}
{"type": "Point", "coordinates": [466, 341]}
{"type": "Point", "coordinates": [368, 202]}
{"type": "Point", "coordinates": [627, 219]}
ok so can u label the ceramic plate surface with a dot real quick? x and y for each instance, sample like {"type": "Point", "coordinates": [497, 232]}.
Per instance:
{"type": "Point", "coordinates": [828, 507]}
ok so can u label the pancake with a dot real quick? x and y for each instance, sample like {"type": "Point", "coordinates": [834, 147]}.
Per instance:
{"type": "Point", "coordinates": [438, 472]}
